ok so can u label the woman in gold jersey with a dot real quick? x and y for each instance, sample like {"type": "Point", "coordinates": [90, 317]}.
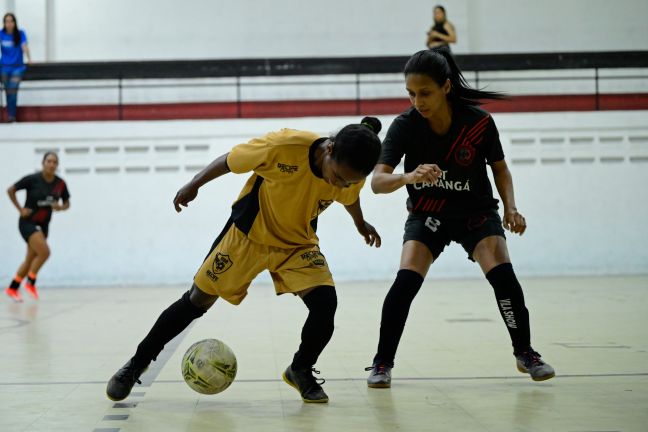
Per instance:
{"type": "Point", "coordinates": [296, 175]}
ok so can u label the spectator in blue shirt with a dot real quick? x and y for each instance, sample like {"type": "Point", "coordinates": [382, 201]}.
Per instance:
{"type": "Point", "coordinates": [13, 44]}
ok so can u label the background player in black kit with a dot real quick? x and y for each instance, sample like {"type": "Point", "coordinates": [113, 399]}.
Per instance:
{"type": "Point", "coordinates": [46, 192]}
{"type": "Point", "coordinates": [447, 142]}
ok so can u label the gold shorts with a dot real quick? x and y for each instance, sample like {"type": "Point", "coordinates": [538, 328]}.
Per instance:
{"type": "Point", "coordinates": [235, 261]}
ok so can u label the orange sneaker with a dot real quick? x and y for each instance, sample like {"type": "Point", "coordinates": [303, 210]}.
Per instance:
{"type": "Point", "coordinates": [31, 289]}
{"type": "Point", "coordinates": [14, 294]}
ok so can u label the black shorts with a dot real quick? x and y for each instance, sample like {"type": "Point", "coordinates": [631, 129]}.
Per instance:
{"type": "Point", "coordinates": [28, 228]}
{"type": "Point", "coordinates": [437, 232]}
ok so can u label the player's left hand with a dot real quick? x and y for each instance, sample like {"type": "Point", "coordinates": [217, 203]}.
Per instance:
{"type": "Point", "coordinates": [185, 195]}
{"type": "Point", "coordinates": [369, 233]}
{"type": "Point", "coordinates": [514, 221]}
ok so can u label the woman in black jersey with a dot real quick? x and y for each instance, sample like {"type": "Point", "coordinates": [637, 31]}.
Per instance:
{"type": "Point", "coordinates": [442, 33]}
{"type": "Point", "coordinates": [46, 192]}
{"type": "Point", "coordinates": [447, 142]}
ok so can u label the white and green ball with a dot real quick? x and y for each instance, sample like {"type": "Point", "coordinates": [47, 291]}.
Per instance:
{"type": "Point", "coordinates": [209, 366]}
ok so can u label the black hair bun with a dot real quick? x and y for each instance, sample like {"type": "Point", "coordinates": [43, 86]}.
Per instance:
{"type": "Point", "coordinates": [372, 123]}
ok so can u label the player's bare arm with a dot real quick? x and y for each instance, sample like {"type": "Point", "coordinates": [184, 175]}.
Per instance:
{"type": "Point", "coordinates": [365, 229]}
{"type": "Point", "coordinates": [385, 181]}
{"type": "Point", "coordinates": [188, 192]}
{"type": "Point", "coordinates": [513, 220]}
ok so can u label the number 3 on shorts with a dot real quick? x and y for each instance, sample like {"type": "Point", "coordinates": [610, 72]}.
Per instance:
{"type": "Point", "coordinates": [432, 223]}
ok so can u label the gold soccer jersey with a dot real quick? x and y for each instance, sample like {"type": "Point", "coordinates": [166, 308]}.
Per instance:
{"type": "Point", "coordinates": [281, 201]}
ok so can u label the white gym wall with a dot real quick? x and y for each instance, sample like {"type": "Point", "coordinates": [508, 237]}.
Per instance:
{"type": "Point", "coordinates": [579, 177]}
{"type": "Point", "coordinates": [90, 30]}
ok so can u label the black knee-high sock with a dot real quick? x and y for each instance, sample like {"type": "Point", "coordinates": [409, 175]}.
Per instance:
{"type": "Point", "coordinates": [318, 328]}
{"type": "Point", "coordinates": [170, 323]}
{"type": "Point", "coordinates": [394, 313]}
{"type": "Point", "coordinates": [510, 301]}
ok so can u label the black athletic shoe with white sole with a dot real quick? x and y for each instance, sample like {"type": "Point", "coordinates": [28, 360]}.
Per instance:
{"type": "Point", "coordinates": [121, 384]}
{"type": "Point", "coordinates": [306, 384]}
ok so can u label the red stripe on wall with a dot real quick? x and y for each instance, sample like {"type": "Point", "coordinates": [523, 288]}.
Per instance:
{"type": "Point", "coordinates": [301, 108]}
{"type": "Point", "coordinates": [538, 103]}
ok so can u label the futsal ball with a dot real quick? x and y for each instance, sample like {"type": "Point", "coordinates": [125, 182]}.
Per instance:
{"type": "Point", "coordinates": [209, 366]}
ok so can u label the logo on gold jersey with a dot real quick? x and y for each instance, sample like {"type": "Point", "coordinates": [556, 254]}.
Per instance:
{"type": "Point", "coordinates": [221, 264]}
{"type": "Point", "coordinates": [314, 257]}
{"type": "Point", "coordinates": [288, 169]}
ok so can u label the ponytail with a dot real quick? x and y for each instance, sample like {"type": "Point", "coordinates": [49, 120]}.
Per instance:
{"type": "Point", "coordinates": [439, 65]}
{"type": "Point", "coordinates": [372, 123]}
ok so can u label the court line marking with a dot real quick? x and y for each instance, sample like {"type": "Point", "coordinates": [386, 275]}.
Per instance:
{"type": "Point", "coordinates": [467, 378]}
{"type": "Point", "coordinates": [114, 417]}
{"type": "Point", "coordinates": [149, 376]}
{"type": "Point", "coordinates": [156, 367]}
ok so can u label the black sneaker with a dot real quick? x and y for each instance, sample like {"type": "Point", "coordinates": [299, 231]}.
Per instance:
{"type": "Point", "coordinates": [121, 384]}
{"type": "Point", "coordinates": [529, 362]}
{"type": "Point", "coordinates": [305, 383]}
{"type": "Point", "coordinates": [380, 376]}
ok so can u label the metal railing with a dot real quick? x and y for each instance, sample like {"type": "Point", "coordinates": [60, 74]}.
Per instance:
{"type": "Point", "coordinates": [355, 67]}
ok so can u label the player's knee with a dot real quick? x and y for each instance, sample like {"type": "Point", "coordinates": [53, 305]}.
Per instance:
{"type": "Point", "coordinates": [199, 298]}
{"type": "Point", "coordinates": [44, 253]}
{"type": "Point", "coordinates": [491, 251]}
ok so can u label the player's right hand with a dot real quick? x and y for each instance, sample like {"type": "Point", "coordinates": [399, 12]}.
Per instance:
{"type": "Point", "coordinates": [25, 212]}
{"type": "Point", "coordinates": [185, 195]}
{"type": "Point", "coordinates": [424, 173]}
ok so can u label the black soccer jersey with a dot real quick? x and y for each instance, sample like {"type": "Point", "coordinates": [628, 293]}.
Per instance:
{"type": "Point", "coordinates": [41, 195]}
{"type": "Point", "coordinates": [462, 153]}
